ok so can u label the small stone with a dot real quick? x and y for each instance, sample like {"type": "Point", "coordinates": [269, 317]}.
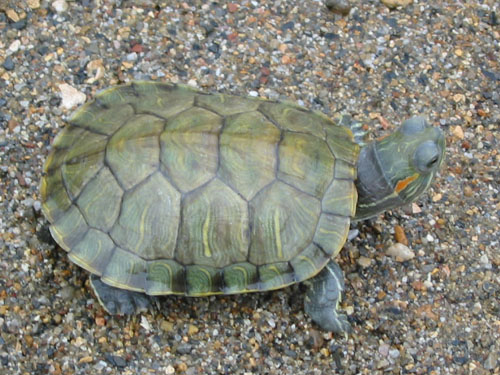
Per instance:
{"type": "Point", "coordinates": [14, 46]}
{"type": "Point", "coordinates": [383, 350]}
{"type": "Point", "coordinates": [170, 370]}
{"type": "Point", "coordinates": [67, 293]}
{"type": "Point", "coordinates": [34, 4]}
{"type": "Point", "coordinates": [400, 236]}
{"type": "Point", "coordinates": [394, 353]}
{"type": "Point", "coordinates": [342, 7]}
{"type": "Point", "coordinates": [458, 132]}
{"type": "Point", "coordinates": [95, 70]}
{"type": "Point", "coordinates": [192, 330]}
{"type": "Point", "coordinates": [145, 323]}
{"type": "Point", "coordinates": [167, 326]}
{"type": "Point", "coordinates": [11, 13]}
{"type": "Point", "coordinates": [400, 252]}
{"type": "Point", "coordinates": [364, 261]}
{"type": "Point", "coordinates": [29, 341]}
{"type": "Point", "coordinates": [8, 63]}
{"type": "Point", "coordinates": [115, 360]}
{"type": "Point", "coordinates": [60, 6]}
{"type": "Point", "coordinates": [184, 348]}
{"type": "Point", "coordinates": [396, 3]}
{"type": "Point", "coordinates": [182, 367]}
{"type": "Point", "coordinates": [437, 197]}
{"type": "Point", "coordinates": [86, 359]}
{"type": "Point", "coordinates": [381, 295]}
{"type": "Point", "coordinates": [476, 309]}
{"type": "Point", "coordinates": [382, 363]}
{"type": "Point", "coordinates": [491, 362]}
{"type": "Point", "coordinates": [71, 97]}
{"type": "Point", "coordinates": [468, 192]}
{"type": "Point", "coordinates": [57, 318]}
{"type": "Point", "coordinates": [232, 7]}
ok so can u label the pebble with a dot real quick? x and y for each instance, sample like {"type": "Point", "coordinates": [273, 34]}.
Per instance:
{"type": "Point", "coordinates": [396, 3]}
{"type": "Point", "coordinates": [339, 6]}
{"type": "Point", "coordinates": [458, 132]}
{"type": "Point", "coordinates": [399, 235]}
{"type": "Point", "coordinates": [192, 330]}
{"type": "Point", "coordinates": [394, 353]}
{"type": "Point", "coordinates": [8, 63]}
{"type": "Point", "coordinates": [491, 361]}
{"type": "Point", "coordinates": [60, 6]}
{"type": "Point", "coordinates": [364, 261]}
{"type": "Point", "coordinates": [14, 46]}
{"type": "Point", "coordinates": [167, 326]}
{"type": "Point", "coordinates": [400, 252]}
{"type": "Point", "coordinates": [71, 97]}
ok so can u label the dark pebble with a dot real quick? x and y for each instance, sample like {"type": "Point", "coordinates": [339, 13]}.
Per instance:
{"type": "Point", "coordinates": [389, 76]}
{"type": "Point", "coordinates": [288, 26]}
{"type": "Point", "coordinates": [339, 6]}
{"type": "Point", "coordinates": [392, 22]}
{"type": "Point", "coordinates": [460, 360]}
{"type": "Point", "coordinates": [116, 361]}
{"type": "Point", "coordinates": [214, 48]}
{"type": "Point", "coordinates": [423, 80]}
{"type": "Point", "coordinates": [491, 75]}
{"type": "Point", "coordinates": [43, 50]}
{"type": "Point", "coordinates": [331, 36]}
{"type": "Point", "coordinates": [493, 19]}
{"type": "Point", "coordinates": [19, 25]}
{"type": "Point", "coordinates": [8, 64]}
{"type": "Point", "coordinates": [184, 349]}
{"type": "Point", "coordinates": [291, 353]}
{"type": "Point", "coordinates": [2, 102]}
{"type": "Point", "coordinates": [55, 101]}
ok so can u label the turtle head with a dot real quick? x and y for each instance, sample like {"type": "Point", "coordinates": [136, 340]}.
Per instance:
{"type": "Point", "coordinates": [396, 169]}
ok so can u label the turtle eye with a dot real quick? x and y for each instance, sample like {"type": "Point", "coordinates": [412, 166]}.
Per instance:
{"type": "Point", "coordinates": [432, 162]}
{"type": "Point", "coordinates": [427, 156]}
{"type": "Point", "coordinates": [414, 125]}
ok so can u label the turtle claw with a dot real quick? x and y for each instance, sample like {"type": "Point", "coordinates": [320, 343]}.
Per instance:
{"type": "Point", "coordinates": [330, 320]}
{"type": "Point", "coordinates": [118, 301]}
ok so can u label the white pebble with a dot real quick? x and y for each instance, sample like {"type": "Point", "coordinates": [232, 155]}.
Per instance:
{"type": "Point", "coordinates": [60, 6]}
{"type": "Point", "coordinates": [71, 97]}
{"type": "Point", "coordinates": [429, 238]}
{"type": "Point", "coordinates": [394, 353]}
{"type": "Point", "coordinates": [14, 46]}
{"type": "Point", "coordinates": [400, 252]}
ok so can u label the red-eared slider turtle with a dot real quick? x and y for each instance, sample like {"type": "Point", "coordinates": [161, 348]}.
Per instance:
{"type": "Point", "coordinates": [159, 189]}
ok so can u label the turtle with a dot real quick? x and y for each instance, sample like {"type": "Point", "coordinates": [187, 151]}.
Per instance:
{"type": "Point", "coordinates": [159, 188]}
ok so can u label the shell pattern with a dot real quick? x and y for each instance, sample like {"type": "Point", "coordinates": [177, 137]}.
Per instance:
{"type": "Point", "coordinates": [162, 189]}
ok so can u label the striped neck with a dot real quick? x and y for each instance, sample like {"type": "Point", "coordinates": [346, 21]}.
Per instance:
{"type": "Point", "coordinates": [375, 193]}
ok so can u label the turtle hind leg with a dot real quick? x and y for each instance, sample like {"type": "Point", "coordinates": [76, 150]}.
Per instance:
{"type": "Point", "coordinates": [118, 301]}
{"type": "Point", "coordinates": [355, 127]}
{"type": "Point", "coordinates": [323, 298]}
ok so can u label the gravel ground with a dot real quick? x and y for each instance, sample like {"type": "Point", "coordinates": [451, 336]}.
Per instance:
{"type": "Point", "coordinates": [437, 313]}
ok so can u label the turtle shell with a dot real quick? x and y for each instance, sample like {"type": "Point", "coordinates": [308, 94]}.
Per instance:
{"type": "Point", "coordinates": [162, 189]}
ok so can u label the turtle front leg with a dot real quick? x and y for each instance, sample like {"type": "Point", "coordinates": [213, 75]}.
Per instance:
{"type": "Point", "coordinates": [323, 298]}
{"type": "Point", "coordinates": [118, 301]}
